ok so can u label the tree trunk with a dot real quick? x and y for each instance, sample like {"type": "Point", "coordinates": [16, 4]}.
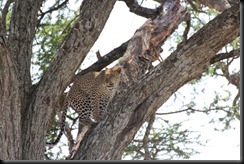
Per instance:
{"type": "Point", "coordinates": [10, 127]}
{"type": "Point", "coordinates": [133, 105]}
{"type": "Point", "coordinates": [16, 52]}
{"type": "Point", "coordinates": [26, 110]}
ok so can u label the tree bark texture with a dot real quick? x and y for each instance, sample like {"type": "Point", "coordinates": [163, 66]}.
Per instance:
{"type": "Point", "coordinates": [133, 105]}
{"type": "Point", "coordinates": [26, 110]}
{"type": "Point", "coordinates": [10, 127]}
{"type": "Point", "coordinates": [15, 76]}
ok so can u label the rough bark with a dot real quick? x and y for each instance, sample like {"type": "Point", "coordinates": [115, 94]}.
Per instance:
{"type": "Point", "coordinates": [108, 139]}
{"type": "Point", "coordinates": [26, 110]}
{"type": "Point", "coordinates": [10, 127]}
{"type": "Point", "coordinates": [15, 74]}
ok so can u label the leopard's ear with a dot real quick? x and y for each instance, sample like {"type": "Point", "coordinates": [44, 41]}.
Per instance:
{"type": "Point", "coordinates": [106, 70]}
{"type": "Point", "coordinates": [118, 69]}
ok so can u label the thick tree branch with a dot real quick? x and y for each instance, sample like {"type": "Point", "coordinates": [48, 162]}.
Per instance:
{"type": "Point", "coordinates": [106, 59]}
{"type": "Point", "coordinates": [87, 28]}
{"type": "Point", "coordinates": [139, 10]}
{"type": "Point", "coordinates": [129, 111]}
{"type": "Point", "coordinates": [236, 105]}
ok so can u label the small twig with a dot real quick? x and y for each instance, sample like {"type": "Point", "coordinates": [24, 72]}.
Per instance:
{"type": "Point", "coordinates": [222, 56]}
{"type": "Point", "coordinates": [194, 7]}
{"type": "Point", "coordinates": [234, 105]}
{"type": "Point", "coordinates": [188, 25]}
{"type": "Point", "coordinates": [198, 19]}
{"type": "Point", "coordinates": [69, 137]}
{"type": "Point", "coordinates": [184, 110]}
{"type": "Point", "coordinates": [71, 118]}
{"type": "Point", "coordinates": [53, 8]}
{"type": "Point", "coordinates": [187, 19]}
{"type": "Point", "coordinates": [225, 70]}
{"type": "Point", "coordinates": [72, 20]}
{"type": "Point", "coordinates": [235, 79]}
{"type": "Point", "coordinates": [145, 140]}
{"type": "Point", "coordinates": [46, 156]}
{"type": "Point", "coordinates": [98, 55]}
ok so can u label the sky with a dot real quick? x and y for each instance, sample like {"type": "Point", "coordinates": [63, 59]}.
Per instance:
{"type": "Point", "coordinates": [221, 145]}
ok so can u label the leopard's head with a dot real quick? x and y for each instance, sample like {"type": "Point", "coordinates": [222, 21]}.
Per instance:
{"type": "Point", "coordinates": [112, 76]}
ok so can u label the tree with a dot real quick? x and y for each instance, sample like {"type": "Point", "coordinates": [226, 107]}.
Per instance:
{"type": "Point", "coordinates": [27, 107]}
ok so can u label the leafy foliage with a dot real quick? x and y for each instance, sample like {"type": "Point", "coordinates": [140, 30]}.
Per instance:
{"type": "Point", "coordinates": [167, 141]}
{"type": "Point", "coordinates": [52, 29]}
{"type": "Point", "coordinates": [200, 15]}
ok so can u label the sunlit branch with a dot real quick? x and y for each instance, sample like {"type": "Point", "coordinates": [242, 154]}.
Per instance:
{"type": "Point", "coordinates": [106, 59]}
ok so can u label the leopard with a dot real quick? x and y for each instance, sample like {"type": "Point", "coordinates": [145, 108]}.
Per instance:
{"type": "Point", "coordinates": [89, 97]}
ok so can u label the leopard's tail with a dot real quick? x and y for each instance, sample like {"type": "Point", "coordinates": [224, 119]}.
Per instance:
{"type": "Point", "coordinates": [61, 129]}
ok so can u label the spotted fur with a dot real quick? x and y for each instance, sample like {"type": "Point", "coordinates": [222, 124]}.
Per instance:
{"type": "Point", "coordinates": [89, 96]}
